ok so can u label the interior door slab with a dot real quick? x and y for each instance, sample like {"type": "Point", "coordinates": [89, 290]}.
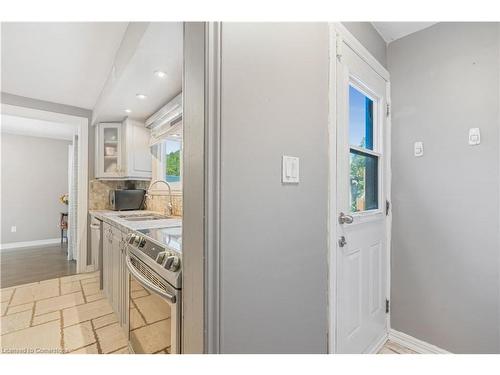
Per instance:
{"type": "Point", "coordinates": [361, 269]}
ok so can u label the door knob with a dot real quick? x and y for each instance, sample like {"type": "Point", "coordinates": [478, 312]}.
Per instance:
{"type": "Point", "coordinates": [345, 219]}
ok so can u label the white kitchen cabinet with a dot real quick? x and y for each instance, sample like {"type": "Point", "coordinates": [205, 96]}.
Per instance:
{"type": "Point", "coordinates": [107, 261]}
{"type": "Point", "coordinates": [115, 273]}
{"type": "Point", "coordinates": [109, 147]}
{"type": "Point", "coordinates": [123, 151]}
{"type": "Point", "coordinates": [137, 151]}
{"type": "Point", "coordinates": [124, 285]}
{"type": "Point", "coordinates": [115, 270]}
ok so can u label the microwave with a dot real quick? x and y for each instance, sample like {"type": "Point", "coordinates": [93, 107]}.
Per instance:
{"type": "Point", "coordinates": [127, 199]}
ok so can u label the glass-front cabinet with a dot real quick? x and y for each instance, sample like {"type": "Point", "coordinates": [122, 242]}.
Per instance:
{"type": "Point", "coordinates": [123, 151]}
{"type": "Point", "coordinates": [110, 150]}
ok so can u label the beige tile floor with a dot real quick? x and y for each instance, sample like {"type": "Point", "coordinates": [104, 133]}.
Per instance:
{"type": "Point", "coordinates": [71, 315]}
{"type": "Point", "coordinates": [65, 315]}
{"type": "Point", "coordinates": [391, 347]}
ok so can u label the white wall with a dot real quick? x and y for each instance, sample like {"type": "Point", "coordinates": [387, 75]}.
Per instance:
{"type": "Point", "coordinates": [34, 175]}
{"type": "Point", "coordinates": [42, 105]}
{"type": "Point", "coordinates": [445, 245]}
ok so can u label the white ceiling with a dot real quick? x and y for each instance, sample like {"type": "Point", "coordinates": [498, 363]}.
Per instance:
{"type": "Point", "coordinates": [37, 128]}
{"type": "Point", "coordinates": [65, 63]}
{"type": "Point", "coordinates": [391, 31]}
{"type": "Point", "coordinates": [161, 48]}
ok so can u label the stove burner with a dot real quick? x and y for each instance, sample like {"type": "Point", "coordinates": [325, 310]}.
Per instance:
{"type": "Point", "coordinates": [170, 237]}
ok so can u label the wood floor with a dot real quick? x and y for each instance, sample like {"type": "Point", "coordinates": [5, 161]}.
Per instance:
{"type": "Point", "coordinates": [29, 265]}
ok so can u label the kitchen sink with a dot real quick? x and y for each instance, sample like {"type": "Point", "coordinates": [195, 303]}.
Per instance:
{"type": "Point", "coordinates": [143, 217]}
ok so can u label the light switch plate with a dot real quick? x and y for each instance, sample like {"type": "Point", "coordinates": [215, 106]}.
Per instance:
{"type": "Point", "coordinates": [290, 170]}
{"type": "Point", "coordinates": [418, 149]}
{"type": "Point", "coordinates": [474, 136]}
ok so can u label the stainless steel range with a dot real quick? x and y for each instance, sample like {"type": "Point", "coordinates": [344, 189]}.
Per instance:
{"type": "Point", "coordinates": [154, 260]}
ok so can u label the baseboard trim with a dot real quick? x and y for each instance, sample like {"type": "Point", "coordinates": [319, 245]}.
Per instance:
{"type": "Point", "coordinates": [18, 245]}
{"type": "Point", "coordinates": [414, 344]}
{"type": "Point", "coordinates": [375, 348]}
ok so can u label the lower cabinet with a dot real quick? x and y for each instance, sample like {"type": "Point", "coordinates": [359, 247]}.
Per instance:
{"type": "Point", "coordinates": [124, 285]}
{"type": "Point", "coordinates": [115, 273]}
{"type": "Point", "coordinates": [107, 254]}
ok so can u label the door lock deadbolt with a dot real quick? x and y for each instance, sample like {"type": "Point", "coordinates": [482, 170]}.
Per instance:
{"type": "Point", "coordinates": [342, 241]}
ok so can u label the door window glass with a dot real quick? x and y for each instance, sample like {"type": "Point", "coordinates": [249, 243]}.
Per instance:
{"type": "Point", "coordinates": [363, 160]}
{"type": "Point", "coordinates": [360, 119]}
{"type": "Point", "coordinates": [364, 181]}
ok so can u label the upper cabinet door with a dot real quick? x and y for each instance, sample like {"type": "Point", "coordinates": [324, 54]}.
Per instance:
{"type": "Point", "coordinates": [109, 152]}
{"type": "Point", "coordinates": [137, 150]}
{"type": "Point", "coordinates": [122, 151]}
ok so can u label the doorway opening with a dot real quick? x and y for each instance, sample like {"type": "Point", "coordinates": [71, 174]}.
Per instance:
{"type": "Point", "coordinates": [44, 195]}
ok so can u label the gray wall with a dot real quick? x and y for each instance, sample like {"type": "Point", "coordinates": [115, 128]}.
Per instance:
{"type": "Point", "coordinates": [22, 101]}
{"type": "Point", "coordinates": [43, 105]}
{"type": "Point", "coordinates": [274, 237]}
{"type": "Point", "coordinates": [366, 34]}
{"type": "Point", "coordinates": [34, 175]}
{"type": "Point", "coordinates": [445, 245]}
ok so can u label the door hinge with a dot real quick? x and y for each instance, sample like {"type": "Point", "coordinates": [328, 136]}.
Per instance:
{"type": "Point", "coordinates": [388, 111]}
{"type": "Point", "coordinates": [387, 306]}
{"type": "Point", "coordinates": [387, 207]}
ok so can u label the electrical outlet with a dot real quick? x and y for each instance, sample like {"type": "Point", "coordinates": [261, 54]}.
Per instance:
{"type": "Point", "coordinates": [13, 229]}
{"type": "Point", "coordinates": [418, 149]}
{"type": "Point", "coordinates": [474, 136]}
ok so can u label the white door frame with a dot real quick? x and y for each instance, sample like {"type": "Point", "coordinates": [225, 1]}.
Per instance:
{"type": "Point", "coordinates": [82, 124]}
{"type": "Point", "coordinates": [337, 35]}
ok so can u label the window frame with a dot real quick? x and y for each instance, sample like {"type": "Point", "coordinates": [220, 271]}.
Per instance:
{"type": "Point", "coordinates": [377, 145]}
{"type": "Point", "coordinates": [159, 166]}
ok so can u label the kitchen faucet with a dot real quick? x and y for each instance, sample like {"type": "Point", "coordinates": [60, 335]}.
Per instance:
{"type": "Point", "coordinates": [170, 205]}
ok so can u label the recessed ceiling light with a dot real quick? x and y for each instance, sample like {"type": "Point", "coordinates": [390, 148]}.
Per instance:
{"type": "Point", "coordinates": [140, 96]}
{"type": "Point", "coordinates": [160, 74]}
{"type": "Point", "coordinates": [128, 111]}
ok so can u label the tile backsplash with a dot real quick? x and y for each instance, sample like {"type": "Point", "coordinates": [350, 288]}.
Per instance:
{"type": "Point", "coordinates": [99, 196]}
{"type": "Point", "coordinates": [159, 203]}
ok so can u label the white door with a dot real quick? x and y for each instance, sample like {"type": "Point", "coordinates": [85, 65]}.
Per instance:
{"type": "Point", "coordinates": [361, 268]}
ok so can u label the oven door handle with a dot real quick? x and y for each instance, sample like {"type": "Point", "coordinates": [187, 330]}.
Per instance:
{"type": "Point", "coordinates": [146, 283]}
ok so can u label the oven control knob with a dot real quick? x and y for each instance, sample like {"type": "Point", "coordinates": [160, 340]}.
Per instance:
{"type": "Point", "coordinates": [131, 238]}
{"type": "Point", "coordinates": [173, 263]}
{"type": "Point", "coordinates": [142, 242]}
{"type": "Point", "coordinates": [160, 257]}
{"type": "Point", "coordinates": [137, 239]}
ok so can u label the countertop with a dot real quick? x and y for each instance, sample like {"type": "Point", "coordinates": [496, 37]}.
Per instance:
{"type": "Point", "coordinates": [113, 218]}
